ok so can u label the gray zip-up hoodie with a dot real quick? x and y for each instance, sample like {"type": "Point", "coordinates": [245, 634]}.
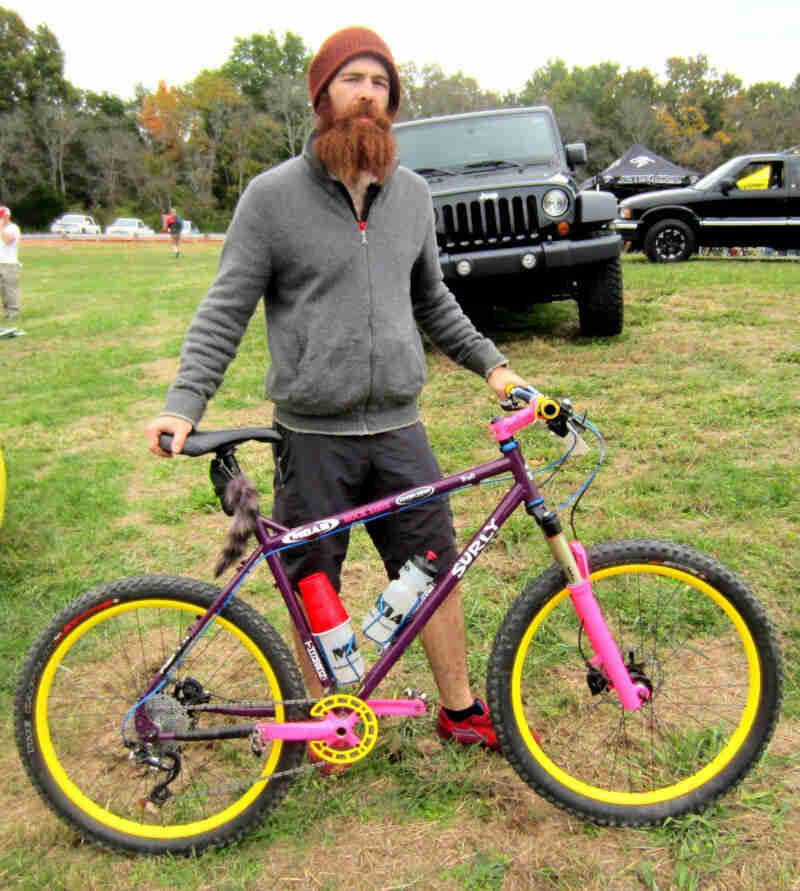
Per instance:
{"type": "Point", "coordinates": [341, 298]}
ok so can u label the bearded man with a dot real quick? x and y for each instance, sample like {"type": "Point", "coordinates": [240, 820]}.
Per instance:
{"type": "Point", "coordinates": [340, 243]}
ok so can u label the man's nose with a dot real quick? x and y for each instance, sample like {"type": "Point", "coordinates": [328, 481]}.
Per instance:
{"type": "Point", "coordinates": [367, 90]}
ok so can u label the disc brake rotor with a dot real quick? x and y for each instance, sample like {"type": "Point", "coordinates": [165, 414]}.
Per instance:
{"type": "Point", "coordinates": [366, 728]}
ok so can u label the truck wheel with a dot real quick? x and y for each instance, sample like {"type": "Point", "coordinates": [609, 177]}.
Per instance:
{"type": "Point", "coordinates": [669, 241]}
{"type": "Point", "coordinates": [600, 305]}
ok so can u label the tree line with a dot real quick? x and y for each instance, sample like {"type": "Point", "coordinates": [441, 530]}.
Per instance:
{"type": "Point", "coordinates": [196, 146]}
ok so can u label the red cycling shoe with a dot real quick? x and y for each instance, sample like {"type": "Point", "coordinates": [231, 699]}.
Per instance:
{"type": "Point", "coordinates": [474, 730]}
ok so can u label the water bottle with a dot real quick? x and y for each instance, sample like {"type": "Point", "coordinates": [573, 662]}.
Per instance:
{"type": "Point", "coordinates": [330, 625]}
{"type": "Point", "coordinates": [401, 599]}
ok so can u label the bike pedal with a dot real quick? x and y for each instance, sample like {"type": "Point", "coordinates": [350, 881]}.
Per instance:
{"type": "Point", "coordinates": [257, 744]}
{"type": "Point", "coordinates": [410, 693]}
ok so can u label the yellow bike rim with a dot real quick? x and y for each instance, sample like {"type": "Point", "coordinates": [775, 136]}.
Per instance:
{"type": "Point", "coordinates": [100, 814]}
{"type": "Point", "coordinates": [672, 791]}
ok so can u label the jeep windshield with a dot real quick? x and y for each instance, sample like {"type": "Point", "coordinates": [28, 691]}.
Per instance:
{"type": "Point", "coordinates": [450, 145]}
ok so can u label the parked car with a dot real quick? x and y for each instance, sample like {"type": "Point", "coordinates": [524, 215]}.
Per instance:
{"type": "Point", "coordinates": [189, 228]}
{"type": "Point", "coordinates": [129, 227]}
{"type": "Point", "coordinates": [750, 201]}
{"type": "Point", "coordinates": [75, 224]}
{"type": "Point", "coordinates": [511, 224]}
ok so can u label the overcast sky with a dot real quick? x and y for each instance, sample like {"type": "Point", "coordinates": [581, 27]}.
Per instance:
{"type": "Point", "coordinates": [113, 46]}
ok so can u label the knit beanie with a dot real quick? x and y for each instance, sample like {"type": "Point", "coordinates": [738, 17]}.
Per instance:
{"type": "Point", "coordinates": [339, 49]}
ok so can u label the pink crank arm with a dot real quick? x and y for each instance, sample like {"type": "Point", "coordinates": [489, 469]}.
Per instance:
{"type": "Point", "coordinates": [331, 729]}
{"type": "Point", "coordinates": [338, 729]}
{"type": "Point", "coordinates": [410, 708]}
{"type": "Point", "coordinates": [607, 654]}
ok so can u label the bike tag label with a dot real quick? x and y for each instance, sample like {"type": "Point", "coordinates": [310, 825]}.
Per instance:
{"type": "Point", "coordinates": [474, 548]}
{"type": "Point", "coordinates": [310, 531]}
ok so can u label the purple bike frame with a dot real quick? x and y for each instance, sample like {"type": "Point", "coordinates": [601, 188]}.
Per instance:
{"type": "Point", "coordinates": [523, 491]}
{"type": "Point", "coordinates": [274, 538]}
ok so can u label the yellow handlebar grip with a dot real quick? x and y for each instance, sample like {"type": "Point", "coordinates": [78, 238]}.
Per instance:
{"type": "Point", "coordinates": [548, 409]}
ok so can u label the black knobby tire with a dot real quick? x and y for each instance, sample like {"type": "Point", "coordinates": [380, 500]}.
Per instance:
{"type": "Point", "coordinates": [87, 671]}
{"type": "Point", "coordinates": [669, 241]}
{"type": "Point", "coordinates": [699, 638]}
{"type": "Point", "coordinates": [600, 300]}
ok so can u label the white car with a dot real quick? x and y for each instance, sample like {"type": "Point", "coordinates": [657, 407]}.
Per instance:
{"type": "Point", "coordinates": [75, 224]}
{"type": "Point", "coordinates": [129, 227]}
{"type": "Point", "coordinates": [189, 228]}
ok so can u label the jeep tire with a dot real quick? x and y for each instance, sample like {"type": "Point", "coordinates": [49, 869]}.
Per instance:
{"type": "Point", "coordinates": [669, 241]}
{"type": "Point", "coordinates": [599, 296]}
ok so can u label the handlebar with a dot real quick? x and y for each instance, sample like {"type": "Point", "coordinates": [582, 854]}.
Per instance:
{"type": "Point", "coordinates": [547, 409]}
{"type": "Point", "coordinates": [558, 416]}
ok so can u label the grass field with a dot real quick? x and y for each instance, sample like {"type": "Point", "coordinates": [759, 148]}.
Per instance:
{"type": "Point", "coordinates": [698, 399]}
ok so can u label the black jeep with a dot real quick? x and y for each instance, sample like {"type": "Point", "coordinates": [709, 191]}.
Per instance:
{"type": "Point", "coordinates": [513, 228]}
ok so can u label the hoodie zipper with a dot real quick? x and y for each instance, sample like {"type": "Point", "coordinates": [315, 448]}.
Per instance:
{"type": "Point", "coordinates": [362, 225]}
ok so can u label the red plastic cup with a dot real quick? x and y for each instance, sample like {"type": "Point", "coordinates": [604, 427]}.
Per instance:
{"type": "Point", "coordinates": [325, 610]}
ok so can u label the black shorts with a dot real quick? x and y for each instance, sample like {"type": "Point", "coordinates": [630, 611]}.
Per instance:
{"type": "Point", "coordinates": [319, 475]}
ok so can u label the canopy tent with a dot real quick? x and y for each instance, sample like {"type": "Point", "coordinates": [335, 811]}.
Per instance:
{"type": "Point", "coordinates": [641, 170]}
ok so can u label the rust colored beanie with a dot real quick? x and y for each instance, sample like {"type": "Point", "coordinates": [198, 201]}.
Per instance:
{"type": "Point", "coordinates": [339, 49]}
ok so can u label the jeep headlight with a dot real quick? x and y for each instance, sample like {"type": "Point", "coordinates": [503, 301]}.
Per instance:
{"type": "Point", "coordinates": [626, 213]}
{"type": "Point", "coordinates": [555, 203]}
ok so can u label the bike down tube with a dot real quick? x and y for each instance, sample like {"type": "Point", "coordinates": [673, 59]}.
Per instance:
{"type": "Point", "coordinates": [363, 513]}
{"type": "Point", "coordinates": [510, 502]}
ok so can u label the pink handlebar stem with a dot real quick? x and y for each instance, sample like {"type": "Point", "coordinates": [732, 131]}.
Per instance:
{"type": "Point", "coordinates": [607, 655]}
{"type": "Point", "coordinates": [505, 428]}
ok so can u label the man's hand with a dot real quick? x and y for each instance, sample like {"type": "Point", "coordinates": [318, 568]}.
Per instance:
{"type": "Point", "coordinates": [178, 427]}
{"type": "Point", "coordinates": [499, 378]}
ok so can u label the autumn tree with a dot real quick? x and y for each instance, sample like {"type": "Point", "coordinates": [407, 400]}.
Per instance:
{"type": "Point", "coordinates": [250, 136]}
{"type": "Point", "coordinates": [287, 100]}
{"type": "Point", "coordinates": [257, 62]}
{"type": "Point", "coordinates": [428, 92]}
{"type": "Point", "coordinates": [165, 115]}
{"type": "Point", "coordinates": [31, 64]}
{"type": "Point", "coordinates": [57, 126]}
{"type": "Point", "coordinates": [694, 83]}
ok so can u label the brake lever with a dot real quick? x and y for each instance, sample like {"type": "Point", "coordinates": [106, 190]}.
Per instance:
{"type": "Point", "coordinates": [567, 421]}
{"type": "Point", "coordinates": [510, 403]}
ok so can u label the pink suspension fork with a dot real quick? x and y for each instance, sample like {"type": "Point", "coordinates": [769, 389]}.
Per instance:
{"type": "Point", "coordinates": [607, 657]}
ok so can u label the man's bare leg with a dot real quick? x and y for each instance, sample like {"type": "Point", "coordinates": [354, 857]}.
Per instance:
{"type": "Point", "coordinates": [445, 643]}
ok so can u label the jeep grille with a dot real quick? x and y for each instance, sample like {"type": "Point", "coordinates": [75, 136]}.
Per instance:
{"type": "Point", "coordinates": [492, 221]}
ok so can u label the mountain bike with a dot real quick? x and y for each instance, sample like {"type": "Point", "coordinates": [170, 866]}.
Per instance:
{"type": "Point", "coordinates": [631, 682]}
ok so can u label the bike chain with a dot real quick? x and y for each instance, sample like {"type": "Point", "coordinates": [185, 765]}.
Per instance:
{"type": "Point", "coordinates": [303, 768]}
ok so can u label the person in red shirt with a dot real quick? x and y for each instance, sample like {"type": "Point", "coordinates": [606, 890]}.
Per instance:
{"type": "Point", "coordinates": [174, 226]}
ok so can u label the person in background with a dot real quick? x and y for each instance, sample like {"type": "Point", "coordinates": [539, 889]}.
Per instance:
{"type": "Point", "coordinates": [174, 226]}
{"type": "Point", "coordinates": [9, 263]}
{"type": "Point", "coordinates": [341, 246]}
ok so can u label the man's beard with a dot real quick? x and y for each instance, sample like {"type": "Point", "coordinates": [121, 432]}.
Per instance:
{"type": "Point", "coordinates": [350, 147]}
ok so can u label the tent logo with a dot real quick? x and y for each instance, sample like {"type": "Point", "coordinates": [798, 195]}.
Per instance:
{"type": "Point", "coordinates": [642, 161]}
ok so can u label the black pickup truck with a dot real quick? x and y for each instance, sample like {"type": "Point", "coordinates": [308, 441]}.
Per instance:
{"type": "Point", "coordinates": [512, 226]}
{"type": "Point", "coordinates": [750, 201]}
